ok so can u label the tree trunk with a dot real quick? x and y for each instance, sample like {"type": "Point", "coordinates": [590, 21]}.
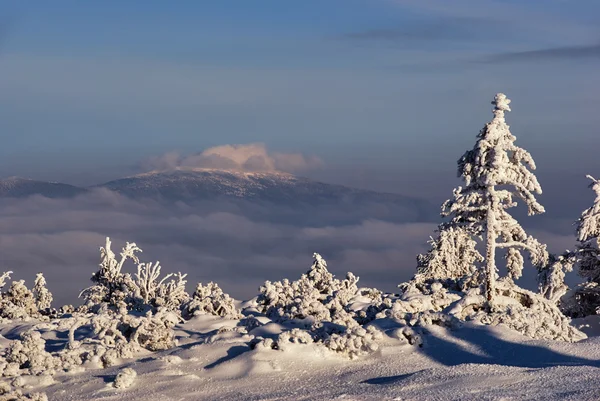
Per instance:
{"type": "Point", "coordinates": [490, 251]}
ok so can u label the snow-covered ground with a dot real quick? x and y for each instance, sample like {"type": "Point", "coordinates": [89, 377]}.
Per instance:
{"type": "Point", "coordinates": [473, 362]}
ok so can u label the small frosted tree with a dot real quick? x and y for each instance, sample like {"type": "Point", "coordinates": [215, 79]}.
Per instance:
{"type": "Point", "coordinates": [43, 297]}
{"type": "Point", "coordinates": [551, 278]}
{"type": "Point", "coordinates": [496, 171]}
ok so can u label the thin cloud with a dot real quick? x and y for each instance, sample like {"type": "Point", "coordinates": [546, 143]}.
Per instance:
{"type": "Point", "coordinates": [246, 157]}
{"type": "Point", "coordinates": [440, 29]}
{"type": "Point", "coordinates": [576, 52]}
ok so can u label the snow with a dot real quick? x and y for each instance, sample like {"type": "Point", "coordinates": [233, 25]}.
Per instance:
{"type": "Point", "coordinates": [473, 362]}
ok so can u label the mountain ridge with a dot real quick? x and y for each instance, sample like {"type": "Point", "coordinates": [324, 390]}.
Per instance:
{"type": "Point", "coordinates": [197, 185]}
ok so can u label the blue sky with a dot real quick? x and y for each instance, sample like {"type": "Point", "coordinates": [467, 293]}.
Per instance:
{"type": "Point", "coordinates": [388, 93]}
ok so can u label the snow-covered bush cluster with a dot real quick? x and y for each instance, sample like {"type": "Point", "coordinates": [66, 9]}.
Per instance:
{"type": "Point", "coordinates": [123, 315]}
{"type": "Point", "coordinates": [8, 393]}
{"type": "Point", "coordinates": [324, 306]}
{"type": "Point", "coordinates": [144, 291]}
{"type": "Point", "coordinates": [316, 297]}
{"type": "Point", "coordinates": [427, 303]}
{"type": "Point", "coordinates": [211, 299]}
{"type": "Point", "coordinates": [18, 302]}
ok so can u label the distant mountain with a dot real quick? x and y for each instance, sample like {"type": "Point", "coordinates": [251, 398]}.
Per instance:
{"type": "Point", "coordinates": [271, 194]}
{"type": "Point", "coordinates": [270, 187]}
{"type": "Point", "coordinates": [16, 187]}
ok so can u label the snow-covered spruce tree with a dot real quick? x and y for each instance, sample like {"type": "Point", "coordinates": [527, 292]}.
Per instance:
{"type": "Point", "coordinates": [494, 172]}
{"type": "Point", "coordinates": [453, 283]}
{"type": "Point", "coordinates": [584, 300]}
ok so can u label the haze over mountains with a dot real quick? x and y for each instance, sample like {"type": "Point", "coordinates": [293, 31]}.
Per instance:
{"type": "Point", "coordinates": [193, 185]}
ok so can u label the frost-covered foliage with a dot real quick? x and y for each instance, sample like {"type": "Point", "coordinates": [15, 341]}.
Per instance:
{"type": "Point", "coordinates": [125, 378]}
{"type": "Point", "coordinates": [43, 297]}
{"type": "Point", "coordinates": [324, 304]}
{"type": "Point", "coordinates": [211, 299]}
{"type": "Point", "coordinates": [29, 356]}
{"type": "Point", "coordinates": [143, 291]}
{"type": "Point", "coordinates": [108, 339]}
{"type": "Point", "coordinates": [584, 300]}
{"type": "Point", "coordinates": [18, 302]}
{"type": "Point", "coordinates": [7, 393]}
{"type": "Point", "coordinates": [551, 278]}
{"type": "Point", "coordinates": [353, 341]}
{"type": "Point", "coordinates": [496, 171]}
{"type": "Point", "coordinates": [317, 296]}
{"type": "Point", "coordinates": [453, 255]}
{"type": "Point", "coordinates": [427, 303]}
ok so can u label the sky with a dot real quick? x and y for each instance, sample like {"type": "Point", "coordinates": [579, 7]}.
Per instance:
{"type": "Point", "coordinates": [381, 94]}
{"type": "Point", "coordinates": [378, 89]}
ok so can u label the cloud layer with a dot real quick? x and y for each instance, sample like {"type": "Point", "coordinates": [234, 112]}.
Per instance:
{"type": "Point", "coordinates": [210, 242]}
{"type": "Point", "coordinates": [248, 157]}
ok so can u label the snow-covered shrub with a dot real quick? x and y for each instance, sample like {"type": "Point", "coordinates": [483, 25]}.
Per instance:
{"type": "Point", "coordinates": [166, 294]}
{"type": "Point", "coordinates": [155, 332]}
{"type": "Point", "coordinates": [29, 354]}
{"type": "Point", "coordinates": [125, 378]}
{"type": "Point", "coordinates": [211, 299]}
{"type": "Point", "coordinates": [43, 297]}
{"type": "Point", "coordinates": [377, 301]}
{"type": "Point", "coordinates": [316, 296]}
{"type": "Point", "coordinates": [18, 302]}
{"type": "Point", "coordinates": [250, 323]}
{"type": "Point", "coordinates": [526, 312]}
{"type": "Point", "coordinates": [142, 292]}
{"type": "Point", "coordinates": [294, 336]}
{"type": "Point", "coordinates": [8, 394]}
{"type": "Point", "coordinates": [352, 342]}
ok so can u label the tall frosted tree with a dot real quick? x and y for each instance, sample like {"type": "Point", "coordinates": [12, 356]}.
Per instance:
{"type": "Point", "coordinates": [495, 173]}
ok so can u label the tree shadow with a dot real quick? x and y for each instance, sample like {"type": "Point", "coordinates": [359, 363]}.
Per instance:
{"type": "Point", "coordinates": [497, 350]}
{"type": "Point", "coordinates": [232, 352]}
{"type": "Point", "coordinates": [389, 379]}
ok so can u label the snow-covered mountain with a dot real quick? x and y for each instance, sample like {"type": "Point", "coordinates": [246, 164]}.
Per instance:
{"type": "Point", "coordinates": [241, 188]}
{"type": "Point", "coordinates": [212, 183]}
{"type": "Point", "coordinates": [267, 187]}
{"type": "Point", "coordinates": [16, 187]}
